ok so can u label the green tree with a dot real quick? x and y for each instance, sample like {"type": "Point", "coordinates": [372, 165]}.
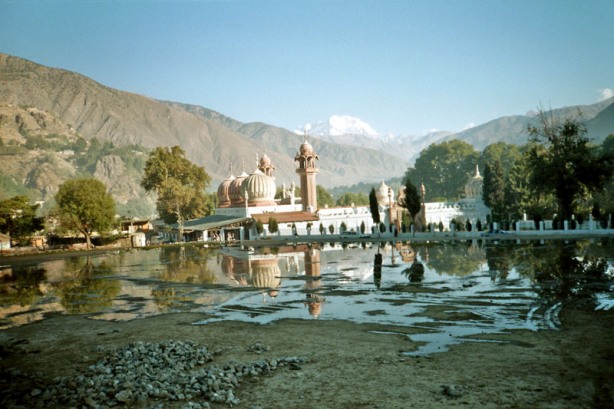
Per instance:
{"type": "Point", "coordinates": [349, 199]}
{"type": "Point", "coordinates": [493, 191]}
{"type": "Point", "coordinates": [18, 218]}
{"type": "Point", "coordinates": [444, 168]}
{"type": "Point", "coordinates": [604, 200]}
{"type": "Point", "coordinates": [411, 201]}
{"type": "Point", "coordinates": [84, 205]}
{"type": "Point", "coordinates": [259, 227]}
{"type": "Point", "coordinates": [523, 196]}
{"type": "Point", "coordinates": [374, 206]}
{"type": "Point", "coordinates": [506, 154]}
{"type": "Point", "coordinates": [273, 225]}
{"type": "Point", "coordinates": [179, 184]}
{"type": "Point", "coordinates": [324, 197]}
{"type": "Point", "coordinates": [566, 166]}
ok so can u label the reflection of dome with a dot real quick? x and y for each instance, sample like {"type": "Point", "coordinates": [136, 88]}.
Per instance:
{"type": "Point", "coordinates": [266, 274]}
{"type": "Point", "coordinates": [223, 192]}
{"type": "Point", "coordinates": [314, 304]}
{"type": "Point", "coordinates": [382, 194]}
{"type": "Point", "coordinates": [234, 190]}
{"type": "Point", "coordinates": [260, 189]}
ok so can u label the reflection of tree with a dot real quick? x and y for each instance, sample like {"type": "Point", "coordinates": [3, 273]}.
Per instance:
{"type": "Point", "coordinates": [21, 286]}
{"type": "Point", "coordinates": [499, 261]}
{"type": "Point", "coordinates": [415, 273]}
{"type": "Point", "coordinates": [377, 269]}
{"type": "Point", "coordinates": [183, 264]}
{"type": "Point", "coordinates": [88, 287]}
{"type": "Point", "coordinates": [564, 277]}
{"type": "Point", "coordinates": [453, 259]}
{"type": "Point", "coordinates": [186, 264]}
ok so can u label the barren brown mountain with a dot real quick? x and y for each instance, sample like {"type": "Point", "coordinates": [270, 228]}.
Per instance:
{"type": "Point", "coordinates": [94, 110]}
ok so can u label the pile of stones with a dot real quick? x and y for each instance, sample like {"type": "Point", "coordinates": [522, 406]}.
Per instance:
{"type": "Point", "coordinates": [144, 373]}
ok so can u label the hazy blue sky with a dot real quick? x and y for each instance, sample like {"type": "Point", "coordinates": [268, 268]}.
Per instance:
{"type": "Point", "coordinates": [401, 66]}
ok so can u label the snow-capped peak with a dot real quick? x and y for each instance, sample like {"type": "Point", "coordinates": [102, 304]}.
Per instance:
{"type": "Point", "coordinates": [339, 125]}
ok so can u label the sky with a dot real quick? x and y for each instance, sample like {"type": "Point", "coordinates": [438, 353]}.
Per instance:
{"type": "Point", "coordinates": [404, 67]}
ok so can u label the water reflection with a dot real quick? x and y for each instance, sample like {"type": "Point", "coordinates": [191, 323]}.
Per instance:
{"type": "Point", "coordinates": [448, 291]}
{"type": "Point", "coordinates": [182, 265]}
{"type": "Point", "coordinates": [415, 273]}
{"type": "Point", "coordinates": [571, 280]}
{"type": "Point", "coordinates": [313, 281]}
{"type": "Point", "coordinates": [87, 287]}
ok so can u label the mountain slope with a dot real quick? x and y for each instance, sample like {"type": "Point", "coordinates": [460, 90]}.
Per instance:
{"type": "Point", "coordinates": [598, 118]}
{"type": "Point", "coordinates": [210, 140]}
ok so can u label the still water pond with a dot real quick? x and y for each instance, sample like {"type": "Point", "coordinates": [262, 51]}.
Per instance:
{"type": "Point", "coordinates": [446, 292]}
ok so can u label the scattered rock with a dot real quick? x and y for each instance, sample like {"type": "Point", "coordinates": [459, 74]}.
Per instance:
{"type": "Point", "coordinates": [164, 372]}
{"type": "Point", "coordinates": [453, 391]}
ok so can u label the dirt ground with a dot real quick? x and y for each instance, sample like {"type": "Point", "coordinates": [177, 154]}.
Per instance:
{"type": "Point", "coordinates": [351, 365]}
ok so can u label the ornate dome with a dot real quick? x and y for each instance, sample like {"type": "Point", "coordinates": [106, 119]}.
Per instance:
{"type": "Point", "coordinates": [265, 161]}
{"type": "Point", "coordinates": [473, 188]}
{"type": "Point", "coordinates": [306, 149]}
{"type": "Point", "coordinates": [235, 191]}
{"type": "Point", "coordinates": [260, 189]}
{"type": "Point", "coordinates": [223, 192]}
{"type": "Point", "coordinates": [265, 165]}
{"type": "Point", "coordinates": [382, 193]}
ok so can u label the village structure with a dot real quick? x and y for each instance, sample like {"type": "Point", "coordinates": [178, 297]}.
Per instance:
{"type": "Point", "coordinates": [248, 200]}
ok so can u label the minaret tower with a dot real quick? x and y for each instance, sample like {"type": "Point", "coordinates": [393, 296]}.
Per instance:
{"type": "Point", "coordinates": [307, 170]}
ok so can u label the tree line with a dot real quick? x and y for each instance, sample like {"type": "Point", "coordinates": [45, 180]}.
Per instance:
{"type": "Point", "coordinates": [557, 175]}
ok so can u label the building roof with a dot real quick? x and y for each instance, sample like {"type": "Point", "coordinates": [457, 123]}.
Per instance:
{"type": "Point", "coordinates": [286, 217]}
{"type": "Point", "coordinates": [211, 222]}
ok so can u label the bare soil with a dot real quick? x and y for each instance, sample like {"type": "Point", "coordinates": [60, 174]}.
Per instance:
{"type": "Point", "coordinates": [351, 365]}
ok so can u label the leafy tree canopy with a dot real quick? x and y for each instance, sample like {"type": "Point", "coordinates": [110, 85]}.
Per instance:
{"type": "Point", "coordinates": [84, 205]}
{"type": "Point", "coordinates": [411, 200]}
{"type": "Point", "coordinates": [179, 184]}
{"type": "Point", "coordinates": [444, 168]}
{"type": "Point", "coordinates": [563, 162]}
{"type": "Point", "coordinates": [18, 218]}
{"type": "Point", "coordinates": [347, 199]}
{"type": "Point", "coordinates": [324, 197]}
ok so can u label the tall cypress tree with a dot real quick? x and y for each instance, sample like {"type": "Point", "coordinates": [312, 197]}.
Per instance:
{"type": "Point", "coordinates": [493, 191]}
{"type": "Point", "coordinates": [374, 206]}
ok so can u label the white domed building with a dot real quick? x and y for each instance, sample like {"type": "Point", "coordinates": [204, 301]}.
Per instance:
{"type": "Point", "coordinates": [248, 200]}
{"type": "Point", "coordinates": [247, 205]}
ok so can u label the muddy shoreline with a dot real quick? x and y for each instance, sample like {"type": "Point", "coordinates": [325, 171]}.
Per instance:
{"type": "Point", "coordinates": [351, 365]}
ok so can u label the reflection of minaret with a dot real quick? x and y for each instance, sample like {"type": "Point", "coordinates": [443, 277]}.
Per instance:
{"type": "Point", "coordinates": [312, 271]}
{"type": "Point", "coordinates": [307, 171]}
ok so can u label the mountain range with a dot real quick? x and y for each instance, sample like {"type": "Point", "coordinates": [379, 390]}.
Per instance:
{"type": "Point", "coordinates": [44, 102]}
{"type": "Point", "coordinates": [598, 119]}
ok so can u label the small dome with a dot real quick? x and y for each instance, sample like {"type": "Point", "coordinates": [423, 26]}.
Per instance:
{"type": "Point", "coordinates": [382, 193]}
{"type": "Point", "coordinates": [223, 192]}
{"type": "Point", "coordinates": [260, 188]}
{"type": "Point", "coordinates": [265, 161]}
{"type": "Point", "coordinates": [234, 190]}
{"type": "Point", "coordinates": [266, 165]}
{"type": "Point", "coordinates": [306, 149]}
